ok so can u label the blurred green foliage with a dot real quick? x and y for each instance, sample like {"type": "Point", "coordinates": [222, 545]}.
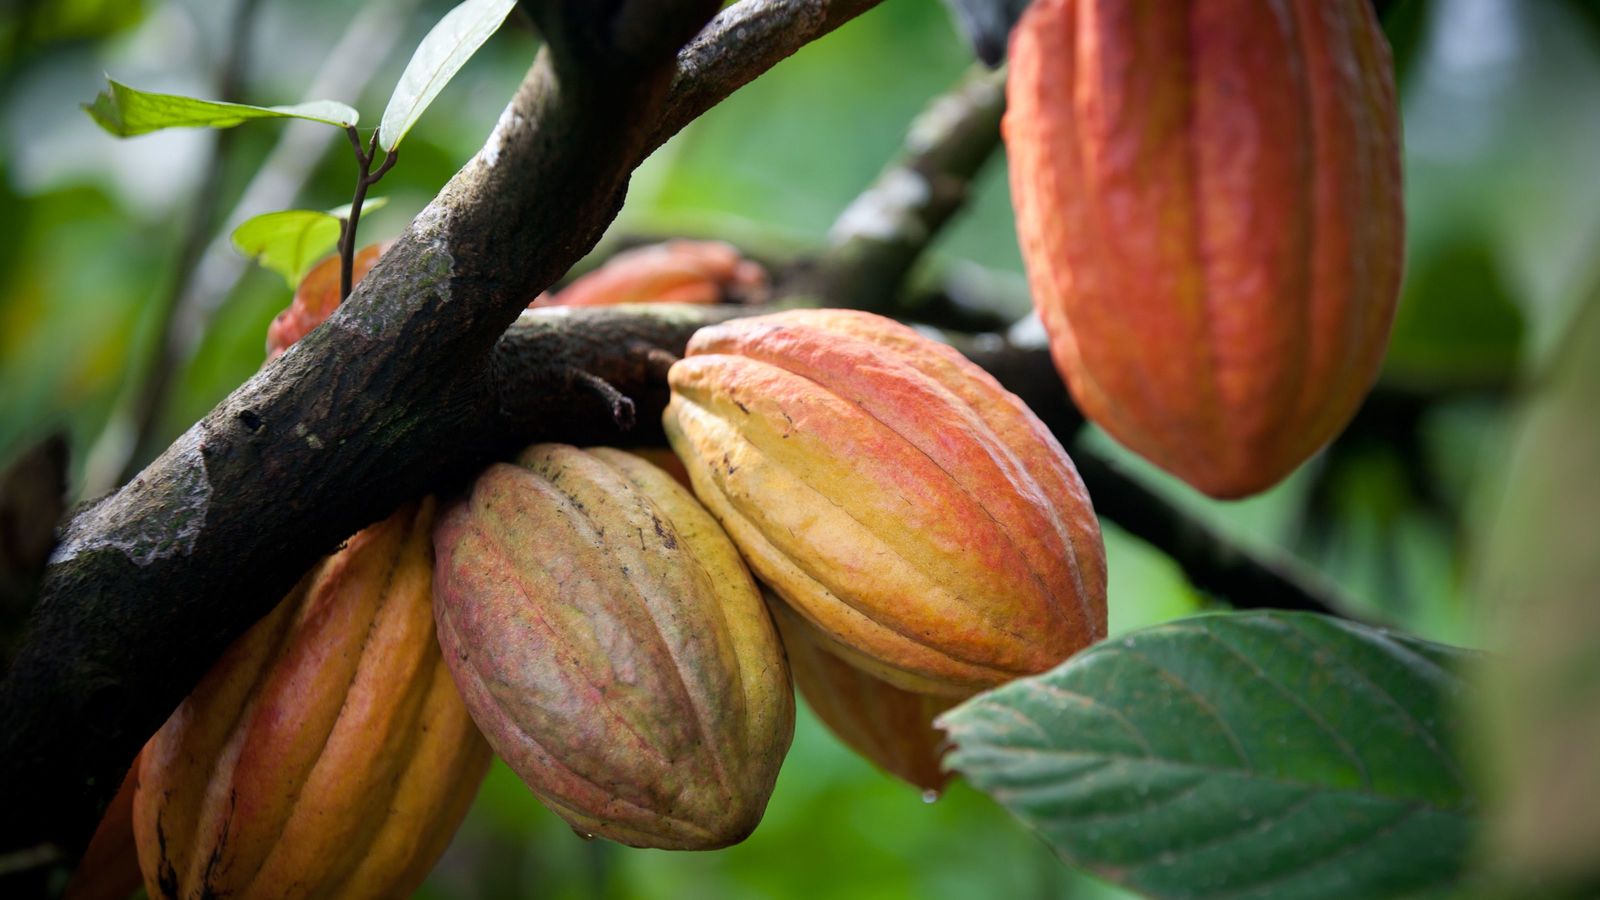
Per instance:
{"type": "Point", "coordinates": [1502, 117]}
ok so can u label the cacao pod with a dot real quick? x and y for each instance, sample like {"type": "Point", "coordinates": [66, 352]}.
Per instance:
{"type": "Point", "coordinates": [913, 510]}
{"type": "Point", "coordinates": [1208, 200]}
{"type": "Point", "coordinates": [613, 648]}
{"type": "Point", "coordinates": [892, 728]}
{"type": "Point", "coordinates": [109, 869]}
{"type": "Point", "coordinates": [327, 753]}
{"type": "Point", "coordinates": [670, 272]}
{"type": "Point", "coordinates": [316, 299]}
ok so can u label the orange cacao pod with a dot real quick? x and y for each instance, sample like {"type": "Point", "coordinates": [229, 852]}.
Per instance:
{"type": "Point", "coordinates": [316, 298]}
{"type": "Point", "coordinates": [1208, 200]}
{"type": "Point", "coordinates": [669, 272]}
{"type": "Point", "coordinates": [613, 648]}
{"type": "Point", "coordinates": [892, 728]}
{"type": "Point", "coordinates": [913, 510]}
{"type": "Point", "coordinates": [327, 753]}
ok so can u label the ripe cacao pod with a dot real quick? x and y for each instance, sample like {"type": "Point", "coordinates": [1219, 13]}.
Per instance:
{"type": "Point", "coordinates": [670, 272]}
{"type": "Point", "coordinates": [1208, 200]}
{"type": "Point", "coordinates": [327, 753]}
{"type": "Point", "coordinates": [613, 648]}
{"type": "Point", "coordinates": [912, 509]}
{"type": "Point", "coordinates": [316, 299]}
{"type": "Point", "coordinates": [892, 728]}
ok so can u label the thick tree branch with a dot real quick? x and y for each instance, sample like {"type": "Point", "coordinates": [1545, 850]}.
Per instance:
{"type": "Point", "coordinates": [388, 400]}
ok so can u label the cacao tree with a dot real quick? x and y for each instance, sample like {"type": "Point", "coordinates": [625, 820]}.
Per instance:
{"type": "Point", "coordinates": [1169, 475]}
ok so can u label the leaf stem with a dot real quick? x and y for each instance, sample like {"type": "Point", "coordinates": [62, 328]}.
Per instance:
{"type": "Point", "coordinates": [366, 178]}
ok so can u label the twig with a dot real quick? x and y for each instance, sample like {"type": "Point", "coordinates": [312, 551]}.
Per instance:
{"type": "Point", "coordinates": [366, 177]}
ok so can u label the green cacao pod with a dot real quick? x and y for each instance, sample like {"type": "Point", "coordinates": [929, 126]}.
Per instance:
{"type": "Point", "coordinates": [613, 648]}
{"type": "Point", "coordinates": [328, 752]}
{"type": "Point", "coordinates": [891, 728]}
{"type": "Point", "coordinates": [1208, 200]}
{"type": "Point", "coordinates": [910, 508]}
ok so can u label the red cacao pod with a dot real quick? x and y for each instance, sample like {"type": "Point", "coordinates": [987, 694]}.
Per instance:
{"type": "Point", "coordinates": [891, 728]}
{"type": "Point", "coordinates": [1208, 200]}
{"type": "Point", "coordinates": [669, 272]}
{"type": "Point", "coordinates": [328, 752]}
{"type": "Point", "coordinates": [913, 510]}
{"type": "Point", "coordinates": [613, 648]}
{"type": "Point", "coordinates": [316, 298]}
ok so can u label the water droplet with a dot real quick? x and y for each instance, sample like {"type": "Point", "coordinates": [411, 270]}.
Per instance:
{"type": "Point", "coordinates": [583, 834]}
{"type": "Point", "coordinates": [930, 796]}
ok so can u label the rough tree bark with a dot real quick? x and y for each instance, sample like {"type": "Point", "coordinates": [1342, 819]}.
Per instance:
{"type": "Point", "coordinates": [396, 395]}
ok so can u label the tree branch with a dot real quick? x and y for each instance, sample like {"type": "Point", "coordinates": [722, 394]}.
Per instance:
{"type": "Point", "coordinates": [399, 392]}
{"type": "Point", "coordinates": [877, 240]}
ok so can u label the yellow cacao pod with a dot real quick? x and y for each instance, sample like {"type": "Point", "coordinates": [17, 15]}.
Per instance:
{"type": "Point", "coordinates": [1208, 200]}
{"type": "Point", "coordinates": [327, 753]}
{"type": "Point", "coordinates": [910, 508]}
{"type": "Point", "coordinates": [613, 648]}
{"type": "Point", "coordinates": [891, 728]}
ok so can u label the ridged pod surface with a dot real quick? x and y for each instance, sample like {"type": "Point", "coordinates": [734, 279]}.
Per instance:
{"type": "Point", "coordinates": [1208, 198]}
{"type": "Point", "coordinates": [891, 728]}
{"type": "Point", "coordinates": [915, 512]}
{"type": "Point", "coordinates": [328, 752]}
{"type": "Point", "coordinates": [613, 648]}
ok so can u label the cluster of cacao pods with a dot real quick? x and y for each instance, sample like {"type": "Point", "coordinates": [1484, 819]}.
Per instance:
{"type": "Point", "coordinates": [1209, 209]}
{"type": "Point", "coordinates": [1209, 205]}
{"type": "Point", "coordinates": [580, 613]}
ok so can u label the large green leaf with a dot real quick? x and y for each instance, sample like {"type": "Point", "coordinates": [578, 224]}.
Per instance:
{"type": "Point", "coordinates": [442, 53]}
{"type": "Point", "coordinates": [126, 111]}
{"type": "Point", "coordinates": [1236, 755]}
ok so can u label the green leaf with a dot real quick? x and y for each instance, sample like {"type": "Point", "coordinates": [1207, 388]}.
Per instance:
{"type": "Point", "coordinates": [438, 58]}
{"type": "Point", "coordinates": [288, 242]}
{"type": "Point", "coordinates": [126, 111]}
{"type": "Point", "coordinates": [291, 241]}
{"type": "Point", "coordinates": [1238, 755]}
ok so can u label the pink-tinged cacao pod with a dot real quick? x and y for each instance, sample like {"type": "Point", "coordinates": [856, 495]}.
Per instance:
{"type": "Point", "coordinates": [891, 728]}
{"type": "Point", "coordinates": [1208, 200]}
{"type": "Point", "coordinates": [613, 648]}
{"type": "Point", "coordinates": [671, 272]}
{"type": "Point", "coordinates": [328, 752]}
{"type": "Point", "coordinates": [914, 511]}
